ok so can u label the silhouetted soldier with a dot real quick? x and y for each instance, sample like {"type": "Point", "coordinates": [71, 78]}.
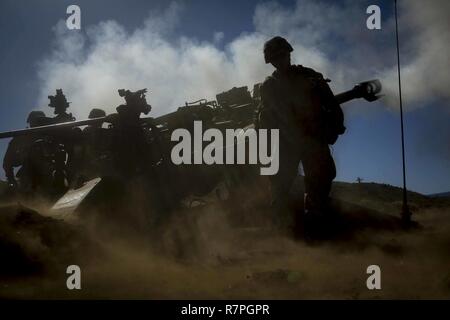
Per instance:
{"type": "Point", "coordinates": [96, 148]}
{"type": "Point", "coordinates": [131, 145]}
{"type": "Point", "coordinates": [298, 101]}
{"type": "Point", "coordinates": [32, 153]}
{"type": "Point", "coordinates": [70, 138]}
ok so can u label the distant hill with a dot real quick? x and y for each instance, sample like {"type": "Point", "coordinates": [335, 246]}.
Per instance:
{"type": "Point", "coordinates": [384, 197]}
{"type": "Point", "coordinates": [440, 195]}
{"type": "Point", "coordinates": [376, 196]}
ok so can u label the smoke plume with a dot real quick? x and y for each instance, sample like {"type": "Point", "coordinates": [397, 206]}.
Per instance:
{"type": "Point", "coordinates": [90, 65]}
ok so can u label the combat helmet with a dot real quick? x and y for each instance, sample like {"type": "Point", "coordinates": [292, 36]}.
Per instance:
{"type": "Point", "coordinates": [34, 118]}
{"type": "Point", "coordinates": [276, 46]}
{"type": "Point", "coordinates": [96, 113]}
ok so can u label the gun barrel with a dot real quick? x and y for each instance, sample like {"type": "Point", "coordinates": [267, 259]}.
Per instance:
{"type": "Point", "coordinates": [344, 97]}
{"type": "Point", "coordinates": [50, 127]}
{"type": "Point", "coordinates": [368, 90]}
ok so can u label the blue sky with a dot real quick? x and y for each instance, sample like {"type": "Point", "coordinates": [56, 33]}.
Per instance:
{"type": "Point", "coordinates": [371, 147]}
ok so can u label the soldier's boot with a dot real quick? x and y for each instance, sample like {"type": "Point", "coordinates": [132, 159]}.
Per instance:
{"type": "Point", "coordinates": [317, 205]}
{"type": "Point", "coordinates": [318, 216]}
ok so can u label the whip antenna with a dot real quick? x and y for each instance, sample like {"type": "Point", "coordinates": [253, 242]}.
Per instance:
{"type": "Point", "coordinates": [406, 214]}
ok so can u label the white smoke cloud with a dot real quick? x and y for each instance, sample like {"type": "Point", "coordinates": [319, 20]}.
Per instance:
{"type": "Point", "coordinates": [91, 66]}
{"type": "Point", "coordinates": [425, 50]}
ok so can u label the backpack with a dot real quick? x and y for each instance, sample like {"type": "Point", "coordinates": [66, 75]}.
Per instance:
{"type": "Point", "coordinates": [331, 112]}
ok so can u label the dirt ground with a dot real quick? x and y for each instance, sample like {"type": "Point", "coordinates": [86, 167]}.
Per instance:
{"type": "Point", "coordinates": [202, 255]}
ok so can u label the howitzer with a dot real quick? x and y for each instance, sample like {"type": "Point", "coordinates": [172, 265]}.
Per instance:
{"type": "Point", "coordinates": [136, 100]}
{"type": "Point", "coordinates": [240, 114]}
{"type": "Point", "coordinates": [368, 90]}
{"type": "Point", "coordinates": [188, 178]}
{"type": "Point", "coordinates": [64, 125]}
{"type": "Point", "coordinates": [198, 110]}
{"type": "Point", "coordinates": [50, 128]}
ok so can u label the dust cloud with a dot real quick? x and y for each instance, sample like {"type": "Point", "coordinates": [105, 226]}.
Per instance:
{"type": "Point", "coordinates": [205, 252]}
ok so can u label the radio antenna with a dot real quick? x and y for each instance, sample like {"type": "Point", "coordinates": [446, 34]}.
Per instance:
{"type": "Point", "coordinates": [406, 214]}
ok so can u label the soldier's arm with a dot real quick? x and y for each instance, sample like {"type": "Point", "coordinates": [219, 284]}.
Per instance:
{"type": "Point", "coordinates": [9, 161]}
{"type": "Point", "coordinates": [267, 108]}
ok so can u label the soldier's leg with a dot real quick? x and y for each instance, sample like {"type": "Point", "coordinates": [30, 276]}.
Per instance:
{"type": "Point", "coordinates": [280, 183]}
{"type": "Point", "coordinates": [319, 170]}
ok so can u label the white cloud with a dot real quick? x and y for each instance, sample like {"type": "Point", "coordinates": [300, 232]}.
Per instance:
{"type": "Point", "coordinates": [218, 37]}
{"type": "Point", "coordinates": [91, 66]}
{"type": "Point", "coordinates": [425, 50]}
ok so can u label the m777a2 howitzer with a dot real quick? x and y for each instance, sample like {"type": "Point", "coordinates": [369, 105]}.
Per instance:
{"type": "Point", "coordinates": [368, 90]}
{"type": "Point", "coordinates": [140, 151]}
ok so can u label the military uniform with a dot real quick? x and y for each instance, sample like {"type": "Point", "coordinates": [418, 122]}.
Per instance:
{"type": "Point", "coordinates": [14, 157]}
{"type": "Point", "coordinates": [131, 149]}
{"type": "Point", "coordinates": [33, 154]}
{"type": "Point", "coordinates": [69, 139]}
{"type": "Point", "coordinates": [299, 102]}
{"type": "Point", "coordinates": [96, 157]}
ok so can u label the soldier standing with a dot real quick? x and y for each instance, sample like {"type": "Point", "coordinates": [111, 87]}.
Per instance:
{"type": "Point", "coordinates": [32, 154]}
{"type": "Point", "coordinates": [131, 147]}
{"type": "Point", "coordinates": [298, 101]}
{"type": "Point", "coordinates": [97, 141]}
{"type": "Point", "coordinates": [68, 139]}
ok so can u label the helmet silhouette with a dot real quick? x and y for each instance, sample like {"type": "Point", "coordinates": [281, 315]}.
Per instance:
{"type": "Point", "coordinates": [276, 46]}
